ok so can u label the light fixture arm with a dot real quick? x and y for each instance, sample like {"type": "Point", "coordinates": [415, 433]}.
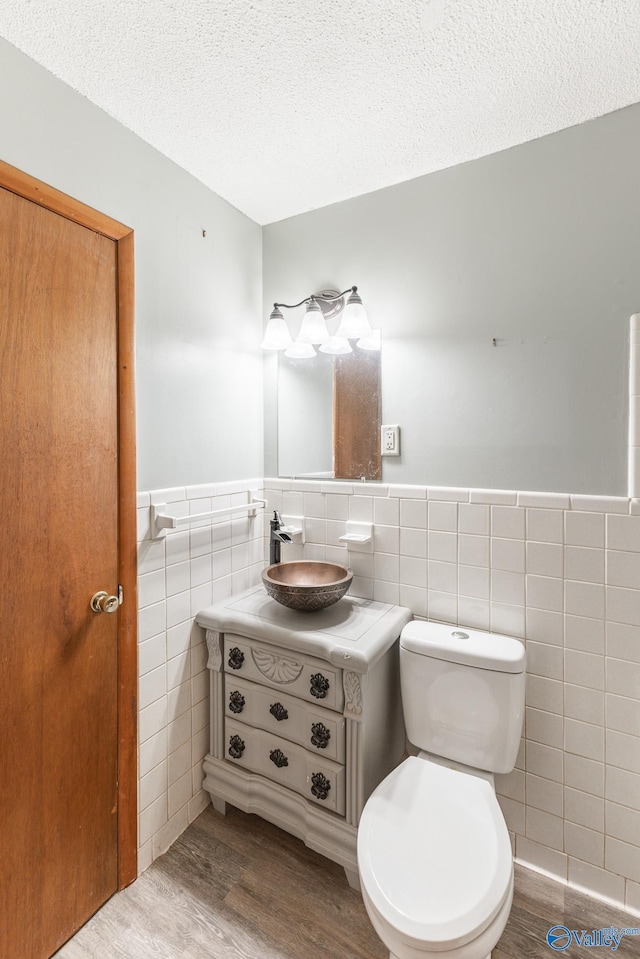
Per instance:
{"type": "Point", "coordinates": [316, 296]}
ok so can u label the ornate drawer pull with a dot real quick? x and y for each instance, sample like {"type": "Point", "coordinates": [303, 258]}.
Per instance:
{"type": "Point", "coordinates": [236, 658]}
{"type": "Point", "coordinates": [236, 701]}
{"type": "Point", "coordinates": [320, 736]}
{"type": "Point", "coordinates": [278, 712]}
{"type": "Point", "coordinates": [236, 747]}
{"type": "Point", "coordinates": [320, 786]}
{"type": "Point", "coordinates": [278, 758]}
{"type": "Point", "coordinates": [319, 686]}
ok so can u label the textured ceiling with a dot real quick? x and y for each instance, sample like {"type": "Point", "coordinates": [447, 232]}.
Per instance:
{"type": "Point", "coordinates": [282, 106]}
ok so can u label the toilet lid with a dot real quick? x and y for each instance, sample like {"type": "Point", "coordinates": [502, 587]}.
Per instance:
{"type": "Point", "coordinates": [434, 853]}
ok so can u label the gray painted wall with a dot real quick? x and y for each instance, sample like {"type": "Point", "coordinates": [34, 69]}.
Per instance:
{"type": "Point", "coordinates": [536, 246]}
{"type": "Point", "coordinates": [198, 299]}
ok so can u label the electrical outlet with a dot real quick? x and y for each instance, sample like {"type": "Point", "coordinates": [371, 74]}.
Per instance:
{"type": "Point", "coordinates": [390, 440]}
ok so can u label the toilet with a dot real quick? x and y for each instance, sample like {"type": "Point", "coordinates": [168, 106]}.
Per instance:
{"type": "Point", "coordinates": [434, 855]}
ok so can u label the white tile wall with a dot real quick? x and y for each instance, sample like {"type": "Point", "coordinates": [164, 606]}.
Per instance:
{"type": "Point", "coordinates": [562, 573]}
{"type": "Point", "coordinates": [180, 573]}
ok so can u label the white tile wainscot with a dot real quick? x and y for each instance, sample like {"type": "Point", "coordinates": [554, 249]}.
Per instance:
{"type": "Point", "coordinates": [178, 573]}
{"type": "Point", "coordinates": [541, 588]}
{"type": "Point", "coordinates": [562, 573]}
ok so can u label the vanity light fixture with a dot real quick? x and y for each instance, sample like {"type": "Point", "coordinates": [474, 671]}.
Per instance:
{"type": "Point", "coordinates": [314, 328]}
{"type": "Point", "coordinates": [313, 331]}
{"type": "Point", "coordinates": [277, 336]}
{"type": "Point", "coordinates": [354, 324]}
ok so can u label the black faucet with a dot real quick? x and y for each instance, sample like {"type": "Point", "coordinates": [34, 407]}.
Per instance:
{"type": "Point", "coordinates": [276, 538]}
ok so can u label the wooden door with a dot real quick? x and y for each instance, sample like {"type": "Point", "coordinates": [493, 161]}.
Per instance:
{"type": "Point", "coordinates": [60, 497]}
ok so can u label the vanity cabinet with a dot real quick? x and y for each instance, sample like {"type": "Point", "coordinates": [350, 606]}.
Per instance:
{"type": "Point", "coordinates": [280, 734]}
{"type": "Point", "coordinates": [306, 714]}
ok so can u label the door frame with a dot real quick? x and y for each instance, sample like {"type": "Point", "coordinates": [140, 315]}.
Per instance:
{"type": "Point", "coordinates": [15, 181]}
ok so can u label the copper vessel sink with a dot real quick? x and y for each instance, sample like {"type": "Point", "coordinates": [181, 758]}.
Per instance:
{"type": "Point", "coordinates": [306, 585]}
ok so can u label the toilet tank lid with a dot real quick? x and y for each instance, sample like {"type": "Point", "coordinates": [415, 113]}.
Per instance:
{"type": "Point", "coordinates": [467, 647]}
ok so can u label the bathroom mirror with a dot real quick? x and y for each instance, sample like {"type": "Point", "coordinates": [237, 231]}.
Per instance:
{"type": "Point", "coordinates": [517, 412]}
{"type": "Point", "coordinates": [533, 248]}
{"type": "Point", "coordinates": [328, 412]}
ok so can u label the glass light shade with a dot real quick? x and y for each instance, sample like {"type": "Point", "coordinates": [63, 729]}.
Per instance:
{"type": "Point", "coordinates": [354, 323]}
{"type": "Point", "coordinates": [370, 342]}
{"type": "Point", "coordinates": [314, 328]}
{"type": "Point", "coordinates": [276, 335]}
{"type": "Point", "coordinates": [336, 345]}
{"type": "Point", "coordinates": [300, 351]}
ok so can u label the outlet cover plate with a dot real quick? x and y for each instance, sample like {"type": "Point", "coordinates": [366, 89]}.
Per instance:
{"type": "Point", "coordinates": [390, 440]}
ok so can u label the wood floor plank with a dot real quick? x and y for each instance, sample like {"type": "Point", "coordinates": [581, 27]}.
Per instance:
{"type": "Point", "coordinates": [312, 921]}
{"type": "Point", "coordinates": [237, 887]}
{"type": "Point", "coordinates": [537, 894]}
{"type": "Point", "coordinates": [525, 934]}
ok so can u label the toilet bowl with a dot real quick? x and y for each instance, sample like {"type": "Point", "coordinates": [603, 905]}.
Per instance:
{"type": "Point", "coordinates": [435, 861]}
{"type": "Point", "coordinates": [434, 854]}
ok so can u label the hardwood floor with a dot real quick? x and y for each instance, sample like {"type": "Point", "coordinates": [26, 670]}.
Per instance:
{"type": "Point", "coordinates": [236, 887]}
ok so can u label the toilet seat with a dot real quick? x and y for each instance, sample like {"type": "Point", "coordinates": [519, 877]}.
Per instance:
{"type": "Point", "coordinates": [434, 854]}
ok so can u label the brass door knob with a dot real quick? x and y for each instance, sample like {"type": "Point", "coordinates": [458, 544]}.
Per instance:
{"type": "Point", "coordinates": [101, 602]}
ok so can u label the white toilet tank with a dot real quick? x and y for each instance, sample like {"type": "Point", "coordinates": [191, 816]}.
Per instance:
{"type": "Point", "coordinates": [463, 693]}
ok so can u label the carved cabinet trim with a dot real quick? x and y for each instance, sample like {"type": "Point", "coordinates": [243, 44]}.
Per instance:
{"type": "Point", "coordinates": [214, 647]}
{"type": "Point", "coordinates": [277, 668]}
{"type": "Point", "coordinates": [352, 695]}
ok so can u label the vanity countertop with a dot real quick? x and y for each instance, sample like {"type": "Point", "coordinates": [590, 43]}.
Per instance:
{"type": "Point", "coordinates": [351, 634]}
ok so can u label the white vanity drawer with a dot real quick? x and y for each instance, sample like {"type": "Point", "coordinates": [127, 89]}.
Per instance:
{"type": "Point", "coordinates": [311, 679]}
{"type": "Point", "coordinates": [319, 730]}
{"type": "Point", "coordinates": [315, 778]}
